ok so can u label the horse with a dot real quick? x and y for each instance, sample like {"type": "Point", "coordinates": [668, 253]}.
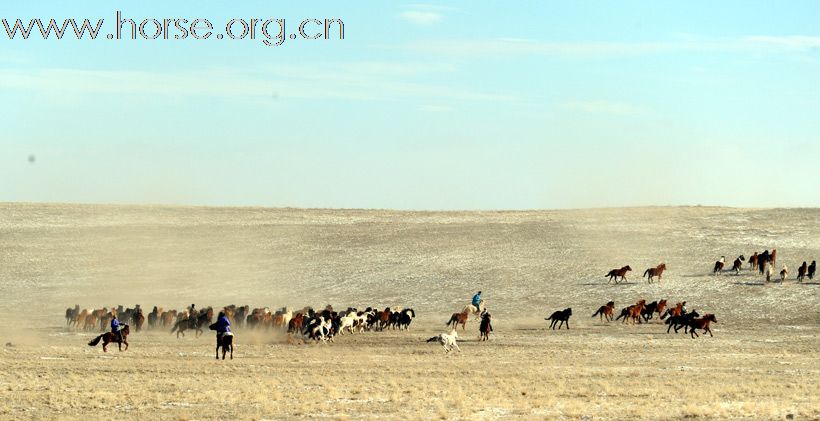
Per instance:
{"type": "Point", "coordinates": [486, 327]}
{"type": "Point", "coordinates": [762, 259]}
{"type": "Point", "coordinates": [561, 316]}
{"type": "Point", "coordinates": [71, 315]}
{"type": "Point", "coordinates": [615, 273]}
{"type": "Point", "coordinates": [108, 337]}
{"type": "Point", "coordinates": [224, 341]}
{"type": "Point", "coordinates": [654, 307]}
{"type": "Point", "coordinates": [459, 319]}
{"type": "Point", "coordinates": [801, 271]}
{"type": "Point", "coordinates": [753, 261]}
{"type": "Point", "coordinates": [737, 265]}
{"type": "Point", "coordinates": [153, 317]}
{"type": "Point", "coordinates": [655, 271]}
{"type": "Point", "coordinates": [768, 269]}
{"type": "Point", "coordinates": [783, 274]}
{"type": "Point", "coordinates": [674, 311]}
{"type": "Point", "coordinates": [773, 257]}
{"type": "Point", "coordinates": [812, 269]}
{"type": "Point", "coordinates": [702, 323]}
{"type": "Point", "coordinates": [184, 324]}
{"type": "Point", "coordinates": [405, 317]}
{"type": "Point", "coordinates": [607, 311]}
{"type": "Point", "coordinates": [475, 311]}
{"type": "Point", "coordinates": [295, 324]}
{"type": "Point", "coordinates": [632, 312]}
{"type": "Point", "coordinates": [681, 321]}
{"type": "Point", "coordinates": [719, 265]}
{"type": "Point", "coordinates": [447, 340]}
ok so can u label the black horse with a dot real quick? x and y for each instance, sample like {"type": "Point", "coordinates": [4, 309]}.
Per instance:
{"type": "Point", "coordinates": [560, 316]}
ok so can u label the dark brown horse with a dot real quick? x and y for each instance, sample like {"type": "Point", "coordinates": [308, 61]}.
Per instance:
{"type": "Point", "coordinates": [801, 272]}
{"type": "Point", "coordinates": [486, 326]}
{"type": "Point", "coordinates": [702, 323]}
{"type": "Point", "coordinates": [224, 341]}
{"type": "Point", "coordinates": [295, 324]}
{"type": "Point", "coordinates": [607, 311]}
{"type": "Point", "coordinates": [655, 271]}
{"type": "Point", "coordinates": [738, 263]}
{"type": "Point", "coordinates": [616, 273]}
{"type": "Point", "coordinates": [719, 265]}
{"type": "Point", "coordinates": [753, 261]}
{"type": "Point", "coordinates": [108, 337]}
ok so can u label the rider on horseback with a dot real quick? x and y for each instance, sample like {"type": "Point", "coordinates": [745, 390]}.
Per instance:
{"type": "Point", "coordinates": [477, 300]}
{"type": "Point", "coordinates": [222, 325]}
{"type": "Point", "coordinates": [116, 327]}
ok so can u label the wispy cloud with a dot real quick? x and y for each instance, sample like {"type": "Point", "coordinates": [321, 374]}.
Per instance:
{"type": "Point", "coordinates": [505, 47]}
{"type": "Point", "coordinates": [424, 14]}
{"type": "Point", "coordinates": [420, 17]}
{"type": "Point", "coordinates": [367, 81]}
{"type": "Point", "coordinates": [600, 106]}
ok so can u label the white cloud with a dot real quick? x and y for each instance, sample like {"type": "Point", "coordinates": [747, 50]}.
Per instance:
{"type": "Point", "coordinates": [600, 106]}
{"type": "Point", "coordinates": [505, 47]}
{"type": "Point", "coordinates": [367, 81]}
{"type": "Point", "coordinates": [425, 18]}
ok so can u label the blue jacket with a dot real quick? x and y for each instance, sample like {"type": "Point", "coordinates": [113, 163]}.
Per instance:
{"type": "Point", "coordinates": [223, 325]}
{"type": "Point", "coordinates": [476, 299]}
{"type": "Point", "coordinates": [115, 325]}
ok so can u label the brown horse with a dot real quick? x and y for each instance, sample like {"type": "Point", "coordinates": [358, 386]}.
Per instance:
{"type": "Point", "coordinates": [607, 311]}
{"type": "Point", "coordinates": [655, 271]}
{"type": "Point", "coordinates": [632, 312]}
{"type": "Point", "coordinates": [702, 323]}
{"type": "Point", "coordinates": [654, 307]}
{"type": "Point", "coordinates": [753, 261]}
{"type": "Point", "coordinates": [674, 311]}
{"type": "Point", "coordinates": [459, 319]}
{"type": "Point", "coordinates": [295, 324]}
{"type": "Point", "coordinates": [738, 263]}
{"type": "Point", "coordinates": [109, 337]}
{"type": "Point", "coordinates": [615, 273]}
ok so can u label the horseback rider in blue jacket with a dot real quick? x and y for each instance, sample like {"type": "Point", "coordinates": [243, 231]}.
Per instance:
{"type": "Point", "coordinates": [477, 300]}
{"type": "Point", "coordinates": [116, 326]}
{"type": "Point", "coordinates": [222, 325]}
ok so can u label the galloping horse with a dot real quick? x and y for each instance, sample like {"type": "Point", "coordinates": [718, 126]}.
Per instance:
{"type": "Point", "coordinates": [753, 261]}
{"type": "Point", "coordinates": [615, 273]}
{"type": "Point", "coordinates": [607, 311]}
{"type": "Point", "coordinates": [109, 337]}
{"type": "Point", "coordinates": [702, 323]}
{"type": "Point", "coordinates": [801, 271]}
{"type": "Point", "coordinates": [736, 266]}
{"type": "Point", "coordinates": [719, 265]}
{"type": "Point", "coordinates": [655, 271]}
{"type": "Point", "coordinates": [475, 311]}
{"type": "Point", "coordinates": [459, 319]}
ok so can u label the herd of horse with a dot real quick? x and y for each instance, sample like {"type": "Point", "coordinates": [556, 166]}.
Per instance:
{"type": "Point", "coordinates": [324, 325]}
{"type": "Point", "coordinates": [765, 263]}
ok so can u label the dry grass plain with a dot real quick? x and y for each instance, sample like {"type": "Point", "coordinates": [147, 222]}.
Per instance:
{"type": "Point", "coordinates": [762, 363]}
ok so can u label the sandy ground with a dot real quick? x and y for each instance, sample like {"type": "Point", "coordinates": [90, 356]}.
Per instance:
{"type": "Point", "coordinates": [763, 361]}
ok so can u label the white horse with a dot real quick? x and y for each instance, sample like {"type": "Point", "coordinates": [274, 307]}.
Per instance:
{"type": "Point", "coordinates": [475, 311]}
{"type": "Point", "coordinates": [768, 270]}
{"type": "Point", "coordinates": [447, 340]}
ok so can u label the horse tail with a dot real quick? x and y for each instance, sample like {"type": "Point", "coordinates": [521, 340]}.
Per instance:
{"type": "Point", "coordinates": [176, 326]}
{"type": "Point", "coordinates": [646, 273]}
{"type": "Point", "coordinates": [96, 340]}
{"type": "Point", "coordinates": [452, 319]}
{"type": "Point", "coordinates": [433, 339]}
{"type": "Point", "coordinates": [596, 313]}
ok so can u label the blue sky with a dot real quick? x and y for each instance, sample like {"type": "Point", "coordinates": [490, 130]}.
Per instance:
{"type": "Point", "coordinates": [446, 105]}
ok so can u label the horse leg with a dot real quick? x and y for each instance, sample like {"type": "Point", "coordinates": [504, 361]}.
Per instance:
{"type": "Point", "coordinates": [231, 348]}
{"type": "Point", "coordinates": [567, 324]}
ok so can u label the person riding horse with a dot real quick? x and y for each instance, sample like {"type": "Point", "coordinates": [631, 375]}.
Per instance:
{"type": "Point", "coordinates": [477, 301]}
{"type": "Point", "coordinates": [116, 327]}
{"type": "Point", "coordinates": [222, 326]}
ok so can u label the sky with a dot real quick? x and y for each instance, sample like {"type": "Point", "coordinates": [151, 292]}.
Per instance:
{"type": "Point", "coordinates": [435, 106]}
